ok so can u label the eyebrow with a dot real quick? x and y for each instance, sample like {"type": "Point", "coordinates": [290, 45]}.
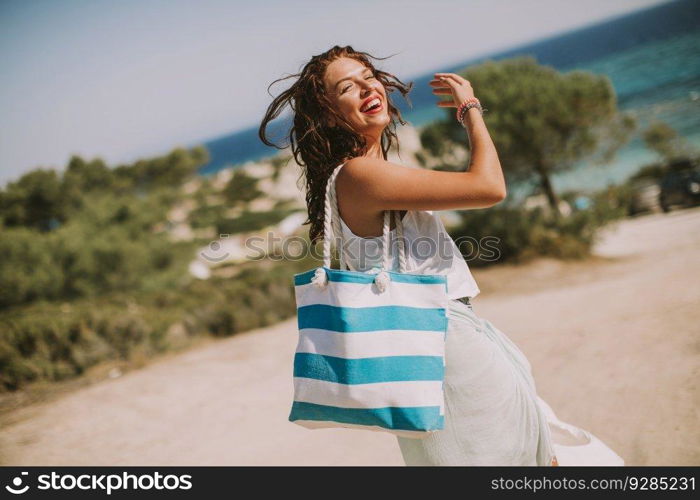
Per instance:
{"type": "Point", "coordinates": [348, 77]}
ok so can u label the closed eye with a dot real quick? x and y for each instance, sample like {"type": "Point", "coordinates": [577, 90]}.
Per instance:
{"type": "Point", "coordinates": [349, 86]}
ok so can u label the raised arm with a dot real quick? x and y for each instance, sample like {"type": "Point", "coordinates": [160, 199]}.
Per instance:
{"type": "Point", "coordinates": [375, 185]}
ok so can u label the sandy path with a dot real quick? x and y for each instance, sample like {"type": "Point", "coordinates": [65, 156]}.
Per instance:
{"type": "Point", "coordinates": [613, 343]}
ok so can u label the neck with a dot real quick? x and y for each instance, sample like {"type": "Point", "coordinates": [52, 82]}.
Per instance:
{"type": "Point", "coordinates": [374, 148]}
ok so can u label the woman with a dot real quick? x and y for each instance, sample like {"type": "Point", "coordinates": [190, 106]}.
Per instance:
{"type": "Point", "coordinates": [343, 116]}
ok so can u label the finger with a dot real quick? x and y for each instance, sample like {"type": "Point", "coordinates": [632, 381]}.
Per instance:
{"type": "Point", "coordinates": [450, 83]}
{"type": "Point", "coordinates": [437, 83]}
{"type": "Point", "coordinates": [446, 104]}
{"type": "Point", "coordinates": [452, 76]}
{"type": "Point", "coordinates": [452, 80]}
{"type": "Point", "coordinates": [442, 91]}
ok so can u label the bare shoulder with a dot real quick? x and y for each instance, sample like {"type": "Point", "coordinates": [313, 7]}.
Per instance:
{"type": "Point", "coordinates": [362, 218]}
{"type": "Point", "coordinates": [370, 170]}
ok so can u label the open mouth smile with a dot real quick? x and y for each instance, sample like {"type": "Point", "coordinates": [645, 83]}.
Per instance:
{"type": "Point", "coordinates": [372, 107]}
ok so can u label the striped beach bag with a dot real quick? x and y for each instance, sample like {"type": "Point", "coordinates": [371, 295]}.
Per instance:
{"type": "Point", "coordinates": [371, 347]}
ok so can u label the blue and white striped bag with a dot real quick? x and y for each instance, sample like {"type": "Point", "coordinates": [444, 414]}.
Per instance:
{"type": "Point", "coordinates": [371, 349]}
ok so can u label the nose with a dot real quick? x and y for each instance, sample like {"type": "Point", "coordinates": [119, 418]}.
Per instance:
{"type": "Point", "coordinates": [368, 87]}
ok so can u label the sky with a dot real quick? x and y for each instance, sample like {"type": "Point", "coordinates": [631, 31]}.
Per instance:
{"type": "Point", "coordinates": [128, 79]}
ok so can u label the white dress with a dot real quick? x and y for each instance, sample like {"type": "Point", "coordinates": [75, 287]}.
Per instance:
{"type": "Point", "coordinates": [493, 415]}
{"type": "Point", "coordinates": [429, 250]}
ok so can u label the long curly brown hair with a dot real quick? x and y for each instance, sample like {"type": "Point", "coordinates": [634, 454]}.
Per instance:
{"type": "Point", "coordinates": [317, 147]}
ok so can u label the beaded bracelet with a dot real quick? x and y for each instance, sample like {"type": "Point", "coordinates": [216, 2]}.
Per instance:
{"type": "Point", "coordinates": [472, 102]}
{"type": "Point", "coordinates": [466, 105]}
{"type": "Point", "coordinates": [466, 102]}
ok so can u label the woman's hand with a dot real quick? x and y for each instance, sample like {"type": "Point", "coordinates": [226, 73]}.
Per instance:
{"type": "Point", "coordinates": [454, 85]}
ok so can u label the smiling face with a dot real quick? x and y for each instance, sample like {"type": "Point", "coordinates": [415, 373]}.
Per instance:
{"type": "Point", "coordinates": [352, 88]}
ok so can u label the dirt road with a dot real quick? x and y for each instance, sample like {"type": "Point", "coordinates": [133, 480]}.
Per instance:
{"type": "Point", "coordinates": [613, 343]}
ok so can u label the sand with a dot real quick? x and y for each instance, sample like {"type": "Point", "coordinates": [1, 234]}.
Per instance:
{"type": "Point", "coordinates": [613, 342]}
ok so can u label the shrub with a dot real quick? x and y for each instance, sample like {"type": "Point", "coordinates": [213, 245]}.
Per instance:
{"type": "Point", "coordinates": [53, 341]}
{"type": "Point", "coordinates": [523, 234]}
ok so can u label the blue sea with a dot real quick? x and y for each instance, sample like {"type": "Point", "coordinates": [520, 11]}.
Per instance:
{"type": "Point", "coordinates": [651, 56]}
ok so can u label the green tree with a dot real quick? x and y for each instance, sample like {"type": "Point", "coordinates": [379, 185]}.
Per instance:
{"type": "Point", "coordinates": [35, 200]}
{"type": "Point", "coordinates": [241, 188]}
{"type": "Point", "coordinates": [87, 176]}
{"type": "Point", "coordinates": [168, 170]}
{"type": "Point", "coordinates": [541, 121]}
{"type": "Point", "coordinates": [665, 141]}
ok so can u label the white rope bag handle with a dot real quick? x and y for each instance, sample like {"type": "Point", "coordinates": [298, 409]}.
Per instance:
{"type": "Point", "coordinates": [332, 231]}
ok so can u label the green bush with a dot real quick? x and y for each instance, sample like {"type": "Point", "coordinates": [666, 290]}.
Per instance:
{"type": "Point", "coordinates": [53, 341]}
{"type": "Point", "coordinates": [44, 199]}
{"type": "Point", "coordinates": [87, 278]}
{"type": "Point", "coordinates": [206, 216]}
{"type": "Point", "coordinates": [241, 188]}
{"type": "Point", "coordinates": [518, 235]}
{"type": "Point", "coordinates": [90, 255]}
